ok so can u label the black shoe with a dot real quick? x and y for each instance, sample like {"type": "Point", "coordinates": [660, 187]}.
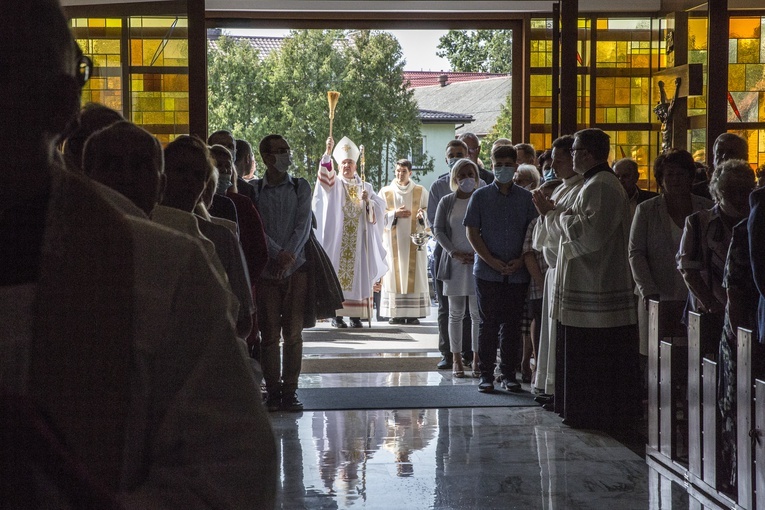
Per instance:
{"type": "Point", "coordinates": [446, 363]}
{"type": "Point", "coordinates": [486, 384]}
{"type": "Point", "coordinates": [273, 402]}
{"type": "Point", "coordinates": [543, 399]}
{"type": "Point", "coordinates": [549, 406]}
{"type": "Point", "coordinates": [413, 322]}
{"type": "Point", "coordinates": [291, 403]}
{"type": "Point", "coordinates": [511, 384]}
{"type": "Point", "coordinates": [356, 323]}
{"type": "Point", "coordinates": [338, 322]}
{"type": "Point", "coordinates": [396, 320]}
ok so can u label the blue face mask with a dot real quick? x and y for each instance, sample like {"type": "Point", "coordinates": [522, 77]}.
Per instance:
{"type": "Point", "coordinates": [451, 161]}
{"type": "Point", "coordinates": [504, 174]}
{"type": "Point", "coordinates": [549, 175]}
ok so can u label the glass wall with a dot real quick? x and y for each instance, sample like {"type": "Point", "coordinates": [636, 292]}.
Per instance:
{"type": "Point", "coordinates": [152, 90]}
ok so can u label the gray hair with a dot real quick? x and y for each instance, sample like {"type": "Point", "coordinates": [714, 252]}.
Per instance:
{"type": "Point", "coordinates": [733, 169]}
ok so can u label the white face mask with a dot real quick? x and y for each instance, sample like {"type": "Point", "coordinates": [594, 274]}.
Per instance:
{"type": "Point", "coordinates": [451, 161]}
{"type": "Point", "coordinates": [467, 185]}
{"type": "Point", "coordinates": [504, 174]}
{"type": "Point", "coordinates": [224, 183]}
{"type": "Point", "coordinates": [283, 162]}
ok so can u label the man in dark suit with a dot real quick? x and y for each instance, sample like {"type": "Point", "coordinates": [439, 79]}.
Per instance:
{"type": "Point", "coordinates": [626, 170]}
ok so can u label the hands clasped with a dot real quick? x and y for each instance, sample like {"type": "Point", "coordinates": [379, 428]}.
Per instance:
{"type": "Point", "coordinates": [542, 203]}
{"type": "Point", "coordinates": [506, 268]}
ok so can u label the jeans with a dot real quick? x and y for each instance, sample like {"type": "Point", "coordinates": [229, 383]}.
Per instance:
{"type": "Point", "coordinates": [500, 305]}
{"type": "Point", "coordinates": [281, 306]}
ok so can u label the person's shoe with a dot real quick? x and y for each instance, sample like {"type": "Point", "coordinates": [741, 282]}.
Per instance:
{"type": "Point", "coordinates": [291, 403]}
{"type": "Point", "coordinates": [356, 323]}
{"type": "Point", "coordinates": [511, 384]}
{"type": "Point", "coordinates": [486, 384]}
{"type": "Point", "coordinates": [445, 363]}
{"type": "Point", "coordinates": [413, 322]}
{"type": "Point", "coordinates": [550, 406]}
{"type": "Point", "coordinates": [395, 320]}
{"type": "Point", "coordinates": [338, 322]}
{"type": "Point", "coordinates": [273, 403]}
{"type": "Point", "coordinates": [543, 399]}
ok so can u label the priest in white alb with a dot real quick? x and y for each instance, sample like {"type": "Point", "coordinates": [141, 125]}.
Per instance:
{"type": "Point", "coordinates": [405, 295]}
{"type": "Point", "coordinates": [349, 227]}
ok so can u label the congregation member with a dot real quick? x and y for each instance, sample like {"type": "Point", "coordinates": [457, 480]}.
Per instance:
{"type": "Point", "coordinates": [544, 163]}
{"type": "Point", "coordinates": [655, 235]}
{"type": "Point", "coordinates": [756, 230]}
{"type": "Point", "coordinates": [226, 138]}
{"type": "Point", "coordinates": [455, 150]}
{"type": "Point", "coordinates": [473, 145]}
{"type": "Point", "coordinates": [455, 269]}
{"type": "Point", "coordinates": [527, 177]}
{"type": "Point", "coordinates": [546, 238]}
{"type": "Point", "coordinates": [496, 220]}
{"type": "Point", "coordinates": [626, 170]}
{"type": "Point", "coordinates": [527, 154]}
{"type": "Point", "coordinates": [727, 146]}
{"type": "Point", "coordinates": [245, 163]}
{"type": "Point", "coordinates": [405, 293]}
{"type": "Point", "coordinates": [252, 237]}
{"type": "Point", "coordinates": [594, 301]}
{"type": "Point", "coordinates": [349, 218]}
{"type": "Point", "coordinates": [284, 203]}
{"type": "Point", "coordinates": [740, 312]}
{"type": "Point", "coordinates": [93, 117]}
{"type": "Point", "coordinates": [706, 239]}
{"type": "Point", "coordinates": [155, 376]}
{"type": "Point", "coordinates": [537, 267]}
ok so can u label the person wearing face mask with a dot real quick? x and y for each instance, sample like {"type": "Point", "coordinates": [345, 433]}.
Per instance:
{"type": "Point", "coordinates": [284, 203]}
{"type": "Point", "coordinates": [349, 227]}
{"type": "Point", "coordinates": [455, 150]}
{"type": "Point", "coordinates": [250, 231]}
{"type": "Point", "coordinates": [456, 264]}
{"type": "Point", "coordinates": [405, 294]}
{"type": "Point", "coordinates": [497, 218]}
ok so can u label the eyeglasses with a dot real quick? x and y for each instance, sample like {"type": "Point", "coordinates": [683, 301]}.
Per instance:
{"type": "Point", "coordinates": [84, 69]}
{"type": "Point", "coordinates": [573, 150]}
{"type": "Point", "coordinates": [473, 151]}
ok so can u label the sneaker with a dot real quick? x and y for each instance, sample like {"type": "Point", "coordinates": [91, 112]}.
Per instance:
{"type": "Point", "coordinates": [511, 384]}
{"type": "Point", "coordinates": [338, 322]}
{"type": "Point", "coordinates": [356, 323]}
{"type": "Point", "coordinates": [486, 384]}
{"type": "Point", "coordinates": [291, 403]}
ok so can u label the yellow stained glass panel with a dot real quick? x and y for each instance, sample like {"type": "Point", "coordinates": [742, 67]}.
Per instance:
{"type": "Point", "coordinates": [736, 76]}
{"type": "Point", "coordinates": [748, 51]}
{"type": "Point", "coordinates": [697, 34]}
{"type": "Point", "coordinates": [755, 77]}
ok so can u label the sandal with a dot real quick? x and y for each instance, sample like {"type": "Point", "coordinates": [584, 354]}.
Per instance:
{"type": "Point", "coordinates": [458, 373]}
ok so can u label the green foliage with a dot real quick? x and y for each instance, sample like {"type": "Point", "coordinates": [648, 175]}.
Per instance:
{"type": "Point", "coordinates": [287, 94]}
{"type": "Point", "coordinates": [478, 51]}
{"type": "Point", "coordinates": [502, 129]}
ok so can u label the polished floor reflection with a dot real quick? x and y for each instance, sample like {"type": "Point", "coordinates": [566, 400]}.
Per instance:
{"type": "Point", "coordinates": [452, 458]}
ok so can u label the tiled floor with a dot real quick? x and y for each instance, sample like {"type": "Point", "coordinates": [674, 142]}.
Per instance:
{"type": "Point", "coordinates": [468, 458]}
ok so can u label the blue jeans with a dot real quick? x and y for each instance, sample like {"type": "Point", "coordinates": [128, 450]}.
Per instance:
{"type": "Point", "coordinates": [500, 305]}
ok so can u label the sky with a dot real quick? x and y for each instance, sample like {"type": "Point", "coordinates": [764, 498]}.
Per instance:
{"type": "Point", "coordinates": [419, 46]}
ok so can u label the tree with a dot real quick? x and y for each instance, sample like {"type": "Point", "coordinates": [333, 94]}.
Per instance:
{"type": "Point", "coordinates": [478, 51]}
{"type": "Point", "coordinates": [289, 96]}
{"type": "Point", "coordinates": [234, 74]}
{"type": "Point", "coordinates": [503, 128]}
